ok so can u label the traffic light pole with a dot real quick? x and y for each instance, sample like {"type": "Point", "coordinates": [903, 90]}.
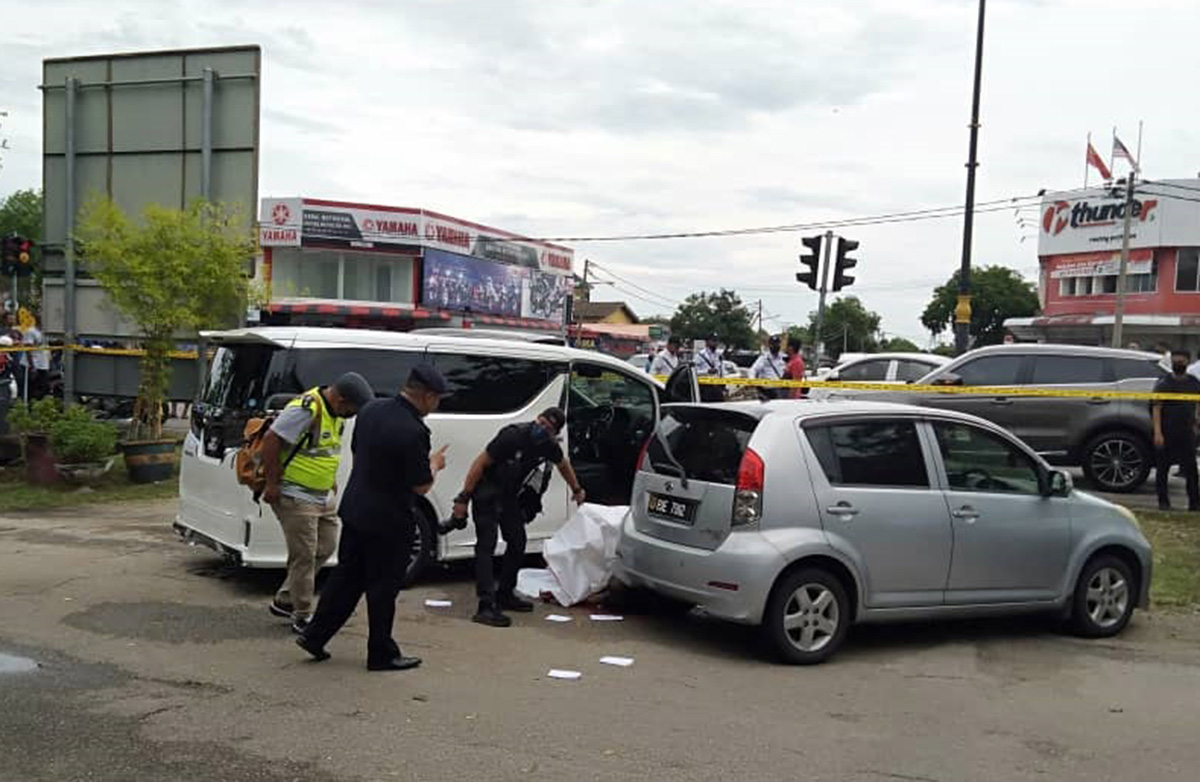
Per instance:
{"type": "Point", "coordinates": [821, 301]}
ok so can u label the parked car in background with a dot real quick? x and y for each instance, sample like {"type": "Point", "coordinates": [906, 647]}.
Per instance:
{"type": "Point", "coordinates": [881, 368]}
{"type": "Point", "coordinates": [641, 361]}
{"type": "Point", "coordinates": [1110, 438]}
{"type": "Point", "coordinates": [806, 517]}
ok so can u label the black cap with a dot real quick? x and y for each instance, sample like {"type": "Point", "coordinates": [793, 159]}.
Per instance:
{"type": "Point", "coordinates": [555, 417]}
{"type": "Point", "coordinates": [714, 337]}
{"type": "Point", "coordinates": [774, 340]}
{"type": "Point", "coordinates": [674, 339]}
{"type": "Point", "coordinates": [426, 375]}
{"type": "Point", "coordinates": [354, 388]}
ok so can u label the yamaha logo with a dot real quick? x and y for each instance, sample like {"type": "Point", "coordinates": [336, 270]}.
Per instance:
{"type": "Point", "coordinates": [280, 214]}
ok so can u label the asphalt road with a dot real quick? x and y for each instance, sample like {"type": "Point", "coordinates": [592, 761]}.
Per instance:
{"type": "Point", "coordinates": [155, 662]}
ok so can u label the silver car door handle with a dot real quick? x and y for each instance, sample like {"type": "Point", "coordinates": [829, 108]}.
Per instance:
{"type": "Point", "coordinates": [1098, 400]}
{"type": "Point", "coordinates": [842, 509]}
{"type": "Point", "coordinates": [966, 513]}
{"type": "Point", "coordinates": [1002, 400]}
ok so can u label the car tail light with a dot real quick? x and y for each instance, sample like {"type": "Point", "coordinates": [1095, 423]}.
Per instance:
{"type": "Point", "coordinates": [747, 501]}
{"type": "Point", "coordinates": [642, 454]}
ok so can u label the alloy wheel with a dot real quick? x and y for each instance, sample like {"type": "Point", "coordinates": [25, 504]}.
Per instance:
{"type": "Point", "coordinates": [1107, 597]}
{"type": "Point", "coordinates": [810, 617]}
{"type": "Point", "coordinates": [1116, 462]}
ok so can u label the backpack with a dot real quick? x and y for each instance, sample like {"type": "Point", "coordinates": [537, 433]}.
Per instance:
{"type": "Point", "coordinates": [248, 465]}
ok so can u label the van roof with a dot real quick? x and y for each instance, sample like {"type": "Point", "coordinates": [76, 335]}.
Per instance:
{"type": "Point", "coordinates": [318, 337]}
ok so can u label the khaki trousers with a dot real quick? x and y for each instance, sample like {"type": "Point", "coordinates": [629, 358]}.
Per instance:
{"type": "Point", "coordinates": [311, 533]}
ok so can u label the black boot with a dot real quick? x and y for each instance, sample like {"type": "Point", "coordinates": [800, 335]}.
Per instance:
{"type": "Point", "coordinates": [491, 616]}
{"type": "Point", "coordinates": [507, 601]}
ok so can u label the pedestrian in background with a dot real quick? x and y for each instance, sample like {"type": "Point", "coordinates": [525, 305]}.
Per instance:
{"type": "Point", "coordinates": [1175, 423]}
{"type": "Point", "coordinates": [301, 455]}
{"type": "Point", "coordinates": [37, 362]}
{"type": "Point", "coordinates": [509, 466]}
{"type": "Point", "coordinates": [771, 365]}
{"type": "Point", "coordinates": [709, 364]}
{"type": "Point", "coordinates": [667, 359]}
{"type": "Point", "coordinates": [393, 466]}
{"type": "Point", "coordinates": [795, 367]}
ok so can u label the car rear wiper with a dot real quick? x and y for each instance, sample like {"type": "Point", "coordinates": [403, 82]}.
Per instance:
{"type": "Point", "coordinates": [682, 473]}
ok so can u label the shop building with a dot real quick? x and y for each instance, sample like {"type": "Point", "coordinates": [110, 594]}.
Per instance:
{"type": "Point", "coordinates": [334, 263]}
{"type": "Point", "coordinates": [1079, 253]}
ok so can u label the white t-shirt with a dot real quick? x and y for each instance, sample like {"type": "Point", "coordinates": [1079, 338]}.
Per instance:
{"type": "Point", "coordinates": [39, 359]}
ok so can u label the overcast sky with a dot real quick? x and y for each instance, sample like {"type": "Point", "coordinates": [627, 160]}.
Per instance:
{"type": "Point", "coordinates": [586, 118]}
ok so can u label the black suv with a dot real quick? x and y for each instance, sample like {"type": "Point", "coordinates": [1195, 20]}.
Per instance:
{"type": "Point", "coordinates": [1109, 438]}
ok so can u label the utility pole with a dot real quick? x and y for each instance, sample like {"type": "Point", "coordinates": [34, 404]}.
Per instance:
{"type": "Point", "coordinates": [760, 323]}
{"type": "Point", "coordinates": [1122, 270]}
{"type": "Point", "coordinates": [962, 312]}
{"type": "Point", "coordinates": [820, 337]}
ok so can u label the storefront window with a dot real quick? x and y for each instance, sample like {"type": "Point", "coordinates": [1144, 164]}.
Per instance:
{"type": "Point", "coordinates": [1187, 269]}
{"type": "Point", "coordinates": [344, 275]}
{"type": "Point", "coordinates": [1106, 284]}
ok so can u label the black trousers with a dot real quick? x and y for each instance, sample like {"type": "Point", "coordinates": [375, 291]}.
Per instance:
{"type": "Point", "coordinates": [1181, 450]}
{"type": "Point", "coordinates": [503, 515]}
{"type": "Point", "coordinates": [371, 564]}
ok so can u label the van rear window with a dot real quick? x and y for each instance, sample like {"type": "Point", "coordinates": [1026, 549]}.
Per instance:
{"type": "Point", "coordinates": [708, 444]}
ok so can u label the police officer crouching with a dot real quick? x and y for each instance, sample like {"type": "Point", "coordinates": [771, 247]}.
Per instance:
{"type": "Point", "coordinates": [504, 487]}
{"type": "Point", "coordinates": [392, 467]}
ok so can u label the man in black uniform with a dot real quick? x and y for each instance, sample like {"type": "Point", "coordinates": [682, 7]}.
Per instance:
{"type": "Point", "coordinates": [392, 465]}
{"type": "Point", "coordinates": [1175, 431]}
{"type": "Point", "coordinates": [494, 484]}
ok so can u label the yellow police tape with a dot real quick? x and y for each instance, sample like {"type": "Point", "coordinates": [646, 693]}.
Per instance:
{"type": "Point", "coordinates": [974, 390]}
{"type": "Point", "coordinates": [181, 354]}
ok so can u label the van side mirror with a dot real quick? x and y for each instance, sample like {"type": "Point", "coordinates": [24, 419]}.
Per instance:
{"type": "Point", "coordinates": [1057, 484]}
{"type": "Point", "coordinates": [949, 379]}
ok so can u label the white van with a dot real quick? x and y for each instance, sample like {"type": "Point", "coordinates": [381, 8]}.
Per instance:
{"type": "Point", "coordinates": [611, 408]}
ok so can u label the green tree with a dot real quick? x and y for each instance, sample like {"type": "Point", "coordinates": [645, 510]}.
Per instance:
{"type": "Point", "coordinates": [898, 345]}
{"type": "Point", "coordinates": [723, 314]}
{"type": "Point", "coordinates": [177, 271]}
{"type": "Point", "coordinates": [21, 213]}
{"type": "Point", "coordinates": [848, 326]}
{"type": "Point", "coordinates": [997, 293]}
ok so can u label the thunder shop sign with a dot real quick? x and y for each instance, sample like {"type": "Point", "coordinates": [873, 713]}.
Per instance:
{"type": "Point", "coordinates": [1094, 221]}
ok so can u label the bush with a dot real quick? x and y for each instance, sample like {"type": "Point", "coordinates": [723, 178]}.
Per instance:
{"type": "Point", "coordinates": [77, 438]}
{"type": "Point", "coordinates": [36, 418]}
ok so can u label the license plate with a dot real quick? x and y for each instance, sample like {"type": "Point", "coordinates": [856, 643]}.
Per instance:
{"type": "Point", "coordinates": [682, 511]}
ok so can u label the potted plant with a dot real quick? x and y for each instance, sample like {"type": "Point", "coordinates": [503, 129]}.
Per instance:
{"type": "Point", "coordinates": [83, 447]}
{"type": "Point", "coordinates": [33, 422]}
{"type": "Point", "coordinates": [173, 273]}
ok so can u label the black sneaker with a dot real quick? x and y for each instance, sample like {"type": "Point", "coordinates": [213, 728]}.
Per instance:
{"type": "Point", "coordinates": [511, 602]}
{"type": "Point", "coordinates": [300, 624]}
{"type": "Point", "coordinates": [318, 653]}
{"type": "Point", "coordinates": [491, 617]}
{"type": "Point", "coordinates": [281, 610]}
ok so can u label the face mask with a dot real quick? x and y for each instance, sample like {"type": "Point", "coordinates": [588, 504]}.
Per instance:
{"type": "Point", "coordinates": [1179, 367]}
{"type": "Point", "coordinates": [540, 435]}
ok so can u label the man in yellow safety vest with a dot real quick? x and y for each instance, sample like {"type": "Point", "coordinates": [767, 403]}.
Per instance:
{"type": "Point", "coordinates": [301, 454]}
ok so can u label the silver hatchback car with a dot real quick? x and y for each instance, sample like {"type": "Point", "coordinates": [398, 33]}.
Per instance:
{"type": "Point", "coordinates": [805, 517]}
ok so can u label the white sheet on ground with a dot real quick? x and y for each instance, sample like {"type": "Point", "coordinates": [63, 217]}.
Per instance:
{"type": "Point", "coordinates": [579, 557]}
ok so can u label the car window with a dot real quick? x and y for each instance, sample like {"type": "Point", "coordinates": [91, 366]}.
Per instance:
{"type": "Point", "coordinates": [991, 371]}
{"type": "Point", "coordinates": [708, 444]}
{"type": "Point", "coordinates": [870, 453]}
{"type": "Point", "coordinates": [596, 386]}
{"type": "Point", "coordinates": [490, 384]}
{"type": "Point", "coordinates": [977, 460]}
{"type": "Point", "coordinates": [1132, 368]}
{"type": "Point", "coordinates": [908, 371]}
{"type": "Point", "coordinates": [1060, 370]}
{"type": "Point", "coordinates": [866, 371]}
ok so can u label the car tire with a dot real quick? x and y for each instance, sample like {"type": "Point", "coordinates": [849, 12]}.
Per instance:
{"type": "Point", "coordinates": [807, 616]}
{"type": "Point", "coordinates": [1117, 461]}
{"type": "Point", "coordinates": [1105, 597]}
{"type": "Point", "coordinates": [422, 555]}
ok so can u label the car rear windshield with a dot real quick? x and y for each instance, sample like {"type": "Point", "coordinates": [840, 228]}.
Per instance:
{"type": "Point", "coordinates": [707, 444]}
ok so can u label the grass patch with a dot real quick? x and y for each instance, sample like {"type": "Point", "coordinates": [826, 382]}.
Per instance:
{"type": "Point", "coordinates": [16, 494]}
{"type": "Point", "coordinates": [1176, 541]}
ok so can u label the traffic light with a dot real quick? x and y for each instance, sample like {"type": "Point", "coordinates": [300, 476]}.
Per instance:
{"type": "Point", "coordinates": [16, 256]}
{"type": "Point", "coordinates": [844, 262]}
{"type": "Point", "coordinates": [811, 278]}
{"type": "Point", "coordinates": [8, 256]}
